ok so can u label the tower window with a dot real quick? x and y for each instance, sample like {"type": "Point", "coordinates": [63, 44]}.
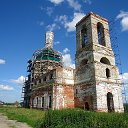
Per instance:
{"type": "Point", "coordinates": [104, 60]}
{"type": "Point", "coordinates": [107, 73]}
{"type": "Point", "coordinates": [84, 37]}
{"type": "Point", "coordinates": [100, 32]}
{"type": "Point", "coordinates": [84, 62]}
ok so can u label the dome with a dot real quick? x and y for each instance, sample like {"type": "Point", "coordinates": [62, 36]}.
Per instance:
{"type": "Point", "coordinates": [47, 54]}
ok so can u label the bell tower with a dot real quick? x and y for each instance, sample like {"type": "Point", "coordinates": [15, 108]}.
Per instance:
{"type": "Point", "coordinates": [97, 84]}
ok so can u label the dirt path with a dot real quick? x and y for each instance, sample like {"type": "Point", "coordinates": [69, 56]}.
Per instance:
{"type": "Point", "coordinates": [6, 123]}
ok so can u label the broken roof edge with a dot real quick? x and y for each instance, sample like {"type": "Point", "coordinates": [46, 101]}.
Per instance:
{"type": "Point", "coordinates": [89, 14]}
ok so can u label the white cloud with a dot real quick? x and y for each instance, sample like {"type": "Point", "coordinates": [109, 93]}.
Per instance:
{"type": "Point", "coordinates": [53, 27]}
{"type": "Point", "coordinates": [124, 77]}
{"type": "Point", "coordinates": [70, 26]}
{"type": "Point", "coordinates": [67, 60]}
{"type": "Point", "coordinates": [74, 4]}
{"type": "Point", "coordinates": [57, 42]}
{"type": "Point", "coordinates": [49, 10]}
{"type": "Point", "coordinates": [6, 88]}
{"type": "Point", "coordinates": [66, 50]}
{"type": "Point", "coordinates": [124, 20]}
{"type": "Point", "coordinates": [2, 61]}
{"type": "Point", "coordinates": [87, 1]}
{"type": "Point", "coordinates": [61, 19]}
{"type": "Point", "coordinates": [19, 81]}
{"type": "Point", "coordinates": [56, 1]}
{"type": "Point", "coordinates": [41, 23]}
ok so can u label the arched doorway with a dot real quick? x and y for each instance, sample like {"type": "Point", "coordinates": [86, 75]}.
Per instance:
{"type": "Point", "coordinates": [110, 103]}
{"type": "Point", "coordinates": [86, 106]}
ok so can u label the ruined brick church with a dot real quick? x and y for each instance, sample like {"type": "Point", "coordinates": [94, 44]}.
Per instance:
{"type": "Point", "coordinates": [93, 85]}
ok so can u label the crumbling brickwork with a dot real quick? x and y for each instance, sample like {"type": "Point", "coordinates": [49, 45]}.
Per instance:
{"type": "Point", "coordinates": [97, 81]}
{"type": "Point", "coordinates": [93, 85]}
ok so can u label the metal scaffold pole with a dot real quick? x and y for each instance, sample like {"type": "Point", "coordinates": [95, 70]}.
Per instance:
{"type": "Point", "coordinates": [116, 49]}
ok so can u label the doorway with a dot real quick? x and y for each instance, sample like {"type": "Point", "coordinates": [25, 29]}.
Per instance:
{"type": "Point", "coordinates": [110, 103]}
{"type": "Point", "coordinates": [86, 106]}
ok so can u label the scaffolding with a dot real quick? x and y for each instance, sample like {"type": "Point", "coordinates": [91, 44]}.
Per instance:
{"type": "Point", "coordinates": [47, 54]}
{"type": "Point", "coordinates": [42, 61]}
{"type": "Point", "coordinates": [115, 46]}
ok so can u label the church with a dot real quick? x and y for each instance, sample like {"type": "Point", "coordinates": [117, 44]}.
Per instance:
{"type": "Point", "coordinates": [94, 84]}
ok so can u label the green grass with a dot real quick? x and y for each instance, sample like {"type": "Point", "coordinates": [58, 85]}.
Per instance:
{"type": "Point", "coordinates": [77, 118]}
{"type": "Point", "coordinates": [66, 118]}
{"type": "Point", "coordinates": [30, 116]}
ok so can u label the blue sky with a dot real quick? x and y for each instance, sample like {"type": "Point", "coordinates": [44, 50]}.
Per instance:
{"type": "Point", "coordinates": [23, 24]}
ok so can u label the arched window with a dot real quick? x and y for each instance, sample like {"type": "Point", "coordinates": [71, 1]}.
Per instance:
{"type": "Point", "coordinates": [84, 37]}
{"type": "Point", "coordinates": [100, 32]}
{"type": "Point", "coordinates": [104, 60]}
{"type": "Point", "coordinates": [110, 102]}
{"type": "Point", "coordinates": [84, 62]}
{"type": "Point", "coordinates": [107, 73]}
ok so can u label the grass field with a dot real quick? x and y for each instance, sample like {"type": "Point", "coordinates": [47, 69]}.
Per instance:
{"type": "Point", "coordinates": [30, 116]}
{"type": "Point", "coordinates": [67, 118]}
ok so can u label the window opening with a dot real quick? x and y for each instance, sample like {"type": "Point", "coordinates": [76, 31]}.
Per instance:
{"type": "Point", "coordinates": [100, 32]}
{"type": "Point", "coordinates": [107, 73]}
{"type": "Point", "coordinates": [50, 101]}
{"type": "Point", "coordinates": [42, 102]}
{"type": "Point", "coordinates": [84, 62]}
{"type": "Point", "coordinates": [104, 60]}
{"type": "Point", "coordinates": [84, 37]}
{"type": "Point", "coordinates": [37, 101]}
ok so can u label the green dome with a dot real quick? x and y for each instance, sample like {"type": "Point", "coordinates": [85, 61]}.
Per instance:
{"type": "Point", "coordinates": [48, 54]}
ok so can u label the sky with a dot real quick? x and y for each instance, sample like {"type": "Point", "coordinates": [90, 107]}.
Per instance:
{"type": "Point", "coordinates": [23, 24]}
